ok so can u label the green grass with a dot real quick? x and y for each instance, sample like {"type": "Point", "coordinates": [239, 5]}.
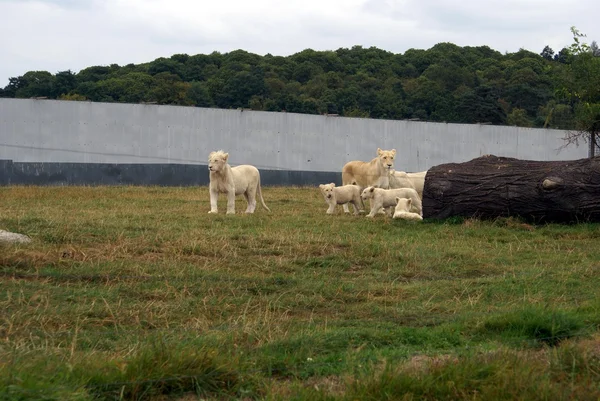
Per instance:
{"type": "Point", "coordinates": [138, 293]}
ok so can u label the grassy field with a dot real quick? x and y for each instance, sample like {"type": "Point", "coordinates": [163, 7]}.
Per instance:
{"type": "Point", "coordinates": [138, 293]}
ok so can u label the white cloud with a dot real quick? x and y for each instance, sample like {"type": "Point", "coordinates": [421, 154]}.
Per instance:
{"type": "Point", "coordinates": [57, 35]}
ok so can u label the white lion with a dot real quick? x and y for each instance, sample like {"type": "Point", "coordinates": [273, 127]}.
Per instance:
{"type": "Point", "coordinates": [373, 173]}
{"type": "Point", "coordinates": [341, 196]}
{"type": "Point", "coordinates": [401, 179]}
{"type": "Point", "coordinates": [244, 179]}
{"type": "Point", "coordinates": [402, 210]}
{"type": "Point", "coordinates": [386, 199]}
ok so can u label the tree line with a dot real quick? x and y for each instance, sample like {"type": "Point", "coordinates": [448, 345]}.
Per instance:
{"type": "Point", "coordinates": [446, 83]}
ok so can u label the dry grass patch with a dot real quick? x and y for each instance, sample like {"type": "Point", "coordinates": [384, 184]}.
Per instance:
{"type": "Point", "coordinates": [111, 269]}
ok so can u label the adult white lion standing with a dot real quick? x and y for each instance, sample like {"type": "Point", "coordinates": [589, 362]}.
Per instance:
{"type": "Point", "coordinates": [402, 179]}
{"type": "Point", "coordinates": [233, 181]}
{"type": "Point", "coordinates": [373, 173]}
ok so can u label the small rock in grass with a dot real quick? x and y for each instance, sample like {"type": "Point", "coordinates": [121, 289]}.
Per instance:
{"type": "Point", "coordinates": [8, 237]}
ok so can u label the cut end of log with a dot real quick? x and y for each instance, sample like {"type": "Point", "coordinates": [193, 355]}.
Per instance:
{"type": "Point", "coordinates": [551, 183]}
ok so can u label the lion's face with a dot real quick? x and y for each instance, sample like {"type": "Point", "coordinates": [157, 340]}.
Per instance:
{"type": "Point", "coordinates": [327, 190]}
{"type": "Point", "coordinates": [386, 158]}
{"type": "Point", "coordinates": [367, 193]}
{"type": "Point", "coordinates": [216, 161]}
{"type": "Point", "coordinates": [403, 204]}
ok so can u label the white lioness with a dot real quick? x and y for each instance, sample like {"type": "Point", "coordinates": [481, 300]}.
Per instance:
{"type": "Point", "coordinates": [386, 199]}
{"type": "Point", "coordinates": [401, 179]}
{"type": "Point", "coordinates": [373, 173]}
{"type": "Point", "coordinates": [244, 179]}
{"type": "Point", "coordinates": [402, 210]}
{"type": "Point", "coordinates": [341, 196]}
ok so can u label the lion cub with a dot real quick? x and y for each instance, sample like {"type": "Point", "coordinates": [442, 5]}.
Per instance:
{"type": "Point", "coordinates": [386, 199]}
{"type": "Point", "coordinates": [402, 210]}
{"type": "Point", "coordinates": [341, 195]}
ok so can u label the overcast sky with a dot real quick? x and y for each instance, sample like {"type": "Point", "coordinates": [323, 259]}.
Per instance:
{"type": "Point", "coordinates": [57, 35]}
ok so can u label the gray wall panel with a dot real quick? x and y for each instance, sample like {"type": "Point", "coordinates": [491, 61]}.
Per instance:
{"type": "Point", "coordinates": [84, 132]}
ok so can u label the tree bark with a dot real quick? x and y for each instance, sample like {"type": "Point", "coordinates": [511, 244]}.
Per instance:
{"type": "Point", "coordinates": [492, 186]}
{"type": "Point", "coordinates": [593, 144]}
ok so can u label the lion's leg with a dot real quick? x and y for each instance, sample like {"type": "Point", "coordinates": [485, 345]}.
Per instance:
{"type": "Point", "coordinates": [248, 201]}
{"type": "Point", "coordinates": [251, 204]}
{"type": "Point", "coordinates": [251, 198]}
{"type": "Point", "coordinates": [389, 211]}
{"type": "Point", "coordinates": [356, 209]}
{"type": "Point", "coordinates": [231, 201]}
{"type": "Point", "coordinates": [346, 179]}
{"type": "Point", "coordinates": [370, 204]}
{"type": "Point", "coordinates": [381, 210]}
{"type": "Point", "coordinates": [417, 207]}
{"type": "Point", "coordinates": [375, 207]}
{"type": "Point", "coordinates": [361, 204]}
{"type": "Point", "coordinates": [214, 196]}
{"type": "Point", "coordinates": [331, 209]}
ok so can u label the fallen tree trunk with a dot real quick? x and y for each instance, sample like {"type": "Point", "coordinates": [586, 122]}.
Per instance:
{"type": "Point", "coordinates": [538, 191]}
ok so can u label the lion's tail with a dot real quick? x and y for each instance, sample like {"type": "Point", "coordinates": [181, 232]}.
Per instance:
{"type": "Point", "coordinates": [259, 192]}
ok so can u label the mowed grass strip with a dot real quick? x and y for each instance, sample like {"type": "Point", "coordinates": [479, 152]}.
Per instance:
{"type": "Point", "coordinates": [139, 293]}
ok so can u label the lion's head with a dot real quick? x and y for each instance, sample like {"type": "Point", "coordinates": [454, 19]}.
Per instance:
{"type": "Point", "coordinates": [367, 193]}
{"type": "Point", "coordinates": [216, 160]}
{"type": "Point", "coordinates": [327, 190]}
{"type": "Point", "coordinates": [386, 158]}
{"type": "Point", "coordinates": [403, 204]}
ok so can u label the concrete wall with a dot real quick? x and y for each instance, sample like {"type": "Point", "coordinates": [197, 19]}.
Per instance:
{"type": "Point", "coordinates": [63, 132]}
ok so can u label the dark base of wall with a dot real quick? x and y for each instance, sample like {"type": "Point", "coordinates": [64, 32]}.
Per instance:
{"type": "Point", "coordinates": [17, 173]}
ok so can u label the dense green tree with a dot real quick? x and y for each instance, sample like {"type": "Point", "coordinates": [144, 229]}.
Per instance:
{"type": "Point", "coordinates": [390, 101]}
{"type": "Point", "coordinates": [519, 118]}
{"type": "Point", "coordinates": [132, 88]}
{"type": "Point", "coordinates": [325, 60]}
{"type": "Point", "coordinates": [93, 74]}
{"type": "Point", "coordinates": [64, 82]}
{"type": "Point", "coordinates": [170, 66]}
{"type": "Point", "coordinates": [180, 58]}
{"type": "Point", "coordinates": [449, 75]}
{"type": "Point", "coordinates": [521, 54]}
{"type": "Point", "coordinates": [480, 105]}
{"type": "Point", "coordinates": [557, 115]}
{"type": "Point", "coordinates": [428, 99]}
{"type": "Point", "coordinates": [14, 84]}
{"type": "Point", "coordinates": [237, 85]}
{"type": "Point", "coordinates": [595, 49]}
{"type": "Point", "coordinates": [199, 94]}
{"type": "Point", "coordinates": [305, 71]}
{"type": "Point", "coordinates": [547, 53]}
{"type": "Point", "coordinates": [581, 87]}
{"type": "Point", "coordinates": [199, 68]}
{"type": "Point", "coordinates": [168, 88]}
{"type": "Point", "coordinates": [36, 84]}
{"type": "Point", "coordinates": [563, 56]}
{"type": "Point", "coordinates": [444, 83]}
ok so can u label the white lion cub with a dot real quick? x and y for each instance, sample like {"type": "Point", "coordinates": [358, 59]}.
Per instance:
{"type": "Point", "coordinates": [386, 199]}
{"type": "Point", "coordinates": [341, 196]}
{"type": "Point", "coordinates": [238, 180]}
{"type": "Point", "coordinates": [402, 210]}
